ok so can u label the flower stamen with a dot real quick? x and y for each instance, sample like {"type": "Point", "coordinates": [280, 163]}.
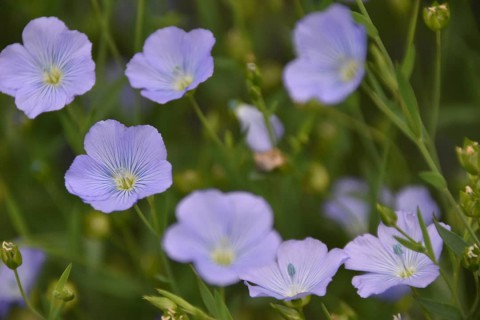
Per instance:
{"type": "Point", "coordinates": [124, 180]}
{"type": "Point", "coordinates": [52, 76]}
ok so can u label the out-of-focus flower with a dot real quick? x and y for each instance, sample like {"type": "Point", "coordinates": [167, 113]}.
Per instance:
{"type": "Point", "coordinates": [223, 234]}
{"type": "Point", "coordinates": [33, 260]}
{"type": "Point", "coordinates": [412, 197]}
{"type": "Point", "coordinates": [350, 207]}
{"type": "Point", "coordinates": [172, 62]}
{"type": "Point", "coordinates": [331, 51]}
{"type": "Point", "coordinates": [387, 263]}
{"type": "Point", "coordinates": [253, 124]}
{"type": "Point", "coordinates": [122, 165]}
{"type": "Point", "coordinates": [53, 65]}
{"type": "Point", "coordinates": [349, 204]}
{"type": "Point", "coordinates": [303, 267]}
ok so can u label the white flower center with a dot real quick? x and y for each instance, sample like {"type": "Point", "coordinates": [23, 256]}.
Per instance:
{"type": "Point", "coordinates": [52, 76]}
{"type": "Point", "coordinates": [182, 82]}
{"type": "Point", "coordinates": [223, 254]}
{"type": "Point", "coordinates": [348, 70]}
{"type": "Point", "coordinates": [124, 180]}
{"type": "Point", "coordinates": [405, 271]}
{"type": "Point", "coordinates": [294, 288]}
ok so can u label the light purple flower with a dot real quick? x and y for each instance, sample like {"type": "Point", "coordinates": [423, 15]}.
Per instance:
{"type": "Point", "coordinates": [172, 62]}
{"type": "Point", "coordinates": [122, 165]}
{"type": "Point", "coordinates": [331, 51]}
{"type": "Point", "coordinates": [387, 263]}
{"type": "Point", "coordinates": [411, 197]}
{"type": "Point", "coordinates": [253, 123]}
{"type": "Point", "coordinates": [223, 234]}
{"type": "Point", "coordinates": [349, 204]}
{"type": "Point", "coordinates": [53, 65]}
{"type": "Point", "coordinates": [33, 260]}
{"type": "Point", "coordinates": [303, 267]}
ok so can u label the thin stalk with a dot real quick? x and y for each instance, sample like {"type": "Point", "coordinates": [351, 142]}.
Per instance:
{"type": "Point", "coordinates": [325, 312]}
{"type": "Point", "coordinates": [144, 219]}
{"type": "Point", "coordinates": [477, 296]}
{"type": "Point", "coordinates": [204, 120]}
{"type": "Point", "coordinates": [437, 82]}
{"type": "Point", "coordinates": [413, 25]}
{"type": "Point", "coordinates": [139, 25]}
{"type": "Point", "coordinates": [102, 20]}
{"type": "Point", "coordinates": [153, 213]}
{"type": "Point", "coordinates": [22, 292]}
{"type": "Point", "coordinates": [455, 297]}
{"type": "Point", "coordinates": [405, 234]}
{"type": "Point", "coordinates": [367, 138]}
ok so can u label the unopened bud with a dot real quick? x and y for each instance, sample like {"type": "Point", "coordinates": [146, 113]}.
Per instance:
{"type": "Point", "coordinates": [436, 16]}
{"type": "Point", "coordinates": [387, 215]}
{"type": "Point", "coordinates": [471, 258]}
{"type": "Point", "coordinates": [470, 202]}
{"type": "Point", "coordinates": [11, 255]}
{"type": "Point", "coordinates": [469, 156]}
{"type": "Point", "coordinates": [269, 160]}
{"type": "Point", "coordinates": [65, 294]}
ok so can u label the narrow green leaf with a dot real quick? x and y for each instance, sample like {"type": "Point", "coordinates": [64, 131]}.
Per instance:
{"type": "Point", "coordinates": [185, 306]}
{"type": "Point", "coordinates": [451, 239]}
{"type": "Point", "coordinates": [286, 312]}
{"type": "Point", "coordinates": [411, 104]}
{"type": "Point", "coordinates": [408, 62]}
{"type": "Point", "coordinates": [415, 246]}
{"type": "Point", "coordinates": [426, 236]}
{"type": "Point", "coordinates": [161, 303]}
{"type": "Point", "coordinates": [207, 298]}
{"type": "Point", "coordinates": [433, 178]}
{"type": "Point", "coordinates": [361, 19]}
{"type": "Point", "coordinates": [63, 278]}
{"type": "Point", "coordinates": [439, 309]}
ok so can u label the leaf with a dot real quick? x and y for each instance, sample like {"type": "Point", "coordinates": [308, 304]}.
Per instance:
{"type": "Point", "coordinates": [408, 62]}
{"type": "Point", "coordinates": [415, 246]}
{"type": "Point", "coordinates": [361, 19]}
{"type": "Point", "coordinates": [452, 240]}
{"type": "Point", "coordinates": [411, 104]}
{"type": "Point", "coordinates": [439, 309]}
{"type": "Point", "coordinates": [426, 236]}
{"type": "Point", "coordinates": [207, 298]}
{"type": "Point", "coordinates": [185, 306]}
{"type": "Point", "coordinates": [286, 312]}
{"type": "Point", "coordinates": [161, 303]}
{"type": "Point", "coordinates": [433, 178]}
{"type": "Point", "coordinates": [63, 278]}
{"type": "Point", "coordinates": [222, 309]}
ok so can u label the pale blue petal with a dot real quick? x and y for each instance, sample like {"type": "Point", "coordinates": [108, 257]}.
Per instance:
{"type": "Point", "coordinates": [411, 197]}
{"type": "Point", "coordinates": [141, 74]}
{"type": "Point", "coordinates": [18, 69]}
{"type": "Point", "coordinates": [184, 244]}
{"type": "Point", "coordinates": [258, 254]}
{"type": "Point", "coordinates": [215, 274]}
{"type": "Point", "coordinates": [34, 99]}
{"type": "Point", "coordinates": [374, 283]}
{"type": "Point", "coordinates": [328, 267]}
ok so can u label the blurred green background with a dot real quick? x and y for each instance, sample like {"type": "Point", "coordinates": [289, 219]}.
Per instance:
{"type": "Point", "coordinates": [118, 262]}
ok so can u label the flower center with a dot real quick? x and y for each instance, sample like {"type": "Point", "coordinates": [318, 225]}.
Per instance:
{"type": "Point", "coordinates": [405, 271]}
{"type": "Point", "coordinates": [124, 180]}
{"type": "Point", "coordinates": [182, 82]}
{"type": "Point", "coordinates": [52, 76]}
{"type": "Point", "coordinates": [348, 70]}
{"type": "Point", "coordinates": [223, 254]}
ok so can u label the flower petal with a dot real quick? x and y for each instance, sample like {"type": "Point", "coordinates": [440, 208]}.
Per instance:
{"type": "Point", "coordinates": [18, 69]}
{"type": "Point", "coordinates": [40, 37]}
{"type": "Point", "coordinates": [184, 245]}
{"type": "Point", "coordinates": [34, 99]}
{"type": "Point", "coordinates": [215, 274]}
{"type": "Point", "coordinates": [373, 283]}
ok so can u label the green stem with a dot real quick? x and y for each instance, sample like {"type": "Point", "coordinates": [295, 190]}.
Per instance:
{"type": "Point", "coordinates": [144, 219]}
{"type": "Point", "coordinates": [452, 291]}
{"type": "Point", "coordinates": [437, 82]}
{"type": "Point", "coordinates": [204, 120]}
{"type": "Point", "coordinates": [413, 25]}
{"type": "Point", "coordinates": [29, 305]}
{"type": "Point", "coordinates": [103, 21]}
{"type": "Point", "coordinates": [139, 25]}
{"type": "Point", "coordinates": [325, 312]}
{"type": "Point", "coordinates": [477, 296]}
{"type": "Point", "coordinates": [405, 234]}
{"type": "Point", "coordinates": [299, 9]}
{"type": "Point", "coordinates": [367, 138]}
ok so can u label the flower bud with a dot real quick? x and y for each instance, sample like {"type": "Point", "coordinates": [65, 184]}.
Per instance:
{"type": "Point", "coordinates": [97, 225]}
{"type": "Point", "coordinates": [471, 258]}
{"type": "Point", "coordinates": [65, 294]}
{"type": "Point", "coordinates": [387, 215]}
{"type": "Point", "coordinates": [269, 160]}
{"type": "Point", "coordinates": [468, 156]}
{"type": "Point", "coordinates": [470, 202]}
{"type": "Point", "coordinates": [298, 303]}
{"type": "Point", "coordinates": [11, 255]}
{"type": "Point", "coordinates": [436, 16]}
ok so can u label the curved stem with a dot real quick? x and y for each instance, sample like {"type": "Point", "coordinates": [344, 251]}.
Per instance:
{"type": "Point", "coordinates": [29, 305]}
{"type": "Point", "coordinates": [204, 120]}
{"type": "Point", "coordinates": [325, 312]}
{"type": "Point", "coordinates": [144, 219]}
{"type": "Point", "coordinates": [139, 25]}
{"type": "Point", "coordinates": [413, 25]}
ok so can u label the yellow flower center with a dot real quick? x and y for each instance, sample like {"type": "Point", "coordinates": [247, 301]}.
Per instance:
{"type": "Point", "coordinates": [348, 70]}
{"type": "Point", "coordinates": [182, 82]}
{"type": "Point", "coordinates": [223, 254]}
{"type": "Point", "coordinates": [124, 180]}
{"type": "Point", "coordinates": [407, 272]}
{"type": "Point", "coordinates": [53, 76]}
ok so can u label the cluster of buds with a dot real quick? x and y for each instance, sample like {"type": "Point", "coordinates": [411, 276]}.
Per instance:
{"type": "Point", "coordinates": [471, 258]}
{"type": "Point", "coordinates": [469, 158]}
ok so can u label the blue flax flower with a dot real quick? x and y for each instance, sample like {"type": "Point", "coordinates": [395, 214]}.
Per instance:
{"type": "Point", "coordinates": [10, 295]}
{"type": "Point", "coordinates": [387, 263]}
{"type": "Point", "coordinates": [53, 65]}
{"type": "Point", "coordinates": [331, 51]}
{"type": "Point", "coordinates": [222, 234]}
{"type": "Point", "coordinates": [253, 123]}
{"type": "Point", "coordinates": [172, 62]}
{"type": "Point", "coordinates": [303, 267]}
{"type": "Point", "coordinates": [122, 165]}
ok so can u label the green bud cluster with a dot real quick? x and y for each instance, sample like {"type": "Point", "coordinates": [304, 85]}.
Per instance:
{"type": "Point", "coordinates": [11, 255]}
{"type": "Point", "coordinates": [436, 16]}
{"type": "Point", "coordinates": [469, 158]}
{"type": "Point", "coordinates": [471, 258]}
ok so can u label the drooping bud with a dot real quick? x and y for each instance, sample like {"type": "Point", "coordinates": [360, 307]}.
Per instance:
{"type": "Point", "coordinates": [436, 16]}
{"type": "Point", "coordinates": [469, 156]}
{"type": "Point", "coordinates": [11, 255]}
{"type": "Point", "coordinates": [387, 215]}
{"type": "Point", "coordinates": [471, 258]}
